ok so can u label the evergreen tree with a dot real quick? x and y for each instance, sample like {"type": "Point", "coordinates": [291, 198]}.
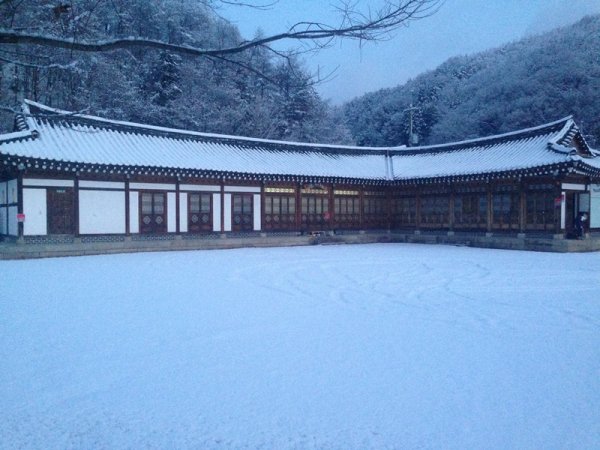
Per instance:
{"type": "Point", "coordinates": [536, 80]}
{"type": "Point", "coordinates": [239, 96]}
{"type": "Point", "coordinates": [161, 84]}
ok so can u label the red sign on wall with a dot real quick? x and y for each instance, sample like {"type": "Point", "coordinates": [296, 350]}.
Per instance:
{"type": "Point", "coordinates": [559, 200]}
{"type": "Point", "coordinates": [20, 217]}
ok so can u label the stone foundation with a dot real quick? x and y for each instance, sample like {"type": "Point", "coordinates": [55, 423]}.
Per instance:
{"type": "Point", "coordinates": [79, 246]}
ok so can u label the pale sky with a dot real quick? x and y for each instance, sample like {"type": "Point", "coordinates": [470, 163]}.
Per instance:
{"type": "Point", "coordinates": [460, 27]}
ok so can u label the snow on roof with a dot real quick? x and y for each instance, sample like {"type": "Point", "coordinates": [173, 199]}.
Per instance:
{"type": "Point", "coordinates": [508, 155]}
{"type": "Point", "coordinates": [144, 127]}
{"type": "Point", "coordinates": [593, 162]}
{"type": "Point", "coordinates": [563, 124]}
{"type": "Point", "coordinates": [65, 136]}
{"type": "Point", "coordinates": [85, 143]}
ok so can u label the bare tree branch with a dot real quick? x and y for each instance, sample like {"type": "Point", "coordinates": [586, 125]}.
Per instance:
{"type": "Point", "coordinates": [10, 110]}
{"type": "Point", "coordinates": [69, 66]}
{"type": "Point", "coordinates": [263, 6]}
{"type": "Point", "coordinates": [246, 67]}
{"type": "Point", "coordinates": [99, 27]}
{"type": "Point", "coordinates": [369, 26]}
{"type": "Point", "coordinates": [53, 115]}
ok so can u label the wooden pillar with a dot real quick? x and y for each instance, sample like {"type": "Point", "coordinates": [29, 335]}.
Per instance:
{"type": "Point", "coordinates": [451, 208]}
{"type": "Point", "coordinates": [223, 205]}
{"type": "Point", "coordinates": [76, 204]}
{"type": "Point", "coordinates": [522, 207]}
{"type": "Point", "coordinates": [330, 206]}
{"type": "Point", "coordinates": [262, 206]}
{"type": "Point", "coordinates": [127, 208]}
{"type": "Point", "coordinates": [20, 224]}
{"type": "Point", "coordinates": [490, 214]}
{"type": "Point", "coordinates": [4, 203]}
{"type": "Point", "coordinates": [388, 208]}
{"type": "Point", "coordinates": [417, 209]}
{"type": "Point", "coordinates": [177, 208]}
{"type": "Point", "coordinates": [558, 209]}
{"type": "Point", "coordinates": [361, 205]}
{"type": "Point", "coordinates": [299, 206]}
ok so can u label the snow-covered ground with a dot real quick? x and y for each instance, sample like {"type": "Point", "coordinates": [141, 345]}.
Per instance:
{"type": "Point", "coordinates": [325, 347]}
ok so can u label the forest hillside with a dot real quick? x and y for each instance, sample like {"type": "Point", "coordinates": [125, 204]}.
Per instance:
{"type": "Point", "coordinates": [522, 84]}
{"type": "Point", "coordinates": [255, 93]}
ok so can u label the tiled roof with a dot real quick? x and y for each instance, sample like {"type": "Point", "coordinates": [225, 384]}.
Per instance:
{"type": "Point", "coordinates": [54, 135]}
{"type": "Point", "coordinates": [501, 156]}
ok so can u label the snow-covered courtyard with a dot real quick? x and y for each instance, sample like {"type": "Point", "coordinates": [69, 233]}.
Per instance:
{"type": "Point", "coordinates": [324, 347]}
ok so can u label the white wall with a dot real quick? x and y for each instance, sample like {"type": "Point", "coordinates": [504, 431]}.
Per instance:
{"type": "Point", "coordinates": [3, 193]}
{"type": "Point", "coordinates": [217, 212]}
{"type": "Point", "coordinates": [13, 194]}
{"type": "Point", "coordinates": [35, 210]}
{"type": "Point", "coordinates": [13, 228]}
{"type": "Point", "coordinates": [134, 211]}
{"type": "Point", "coordinates": [101, 212]}
{"type": "Point", "coordinates": [256, 209]}
{"type": "Point", "coordinates": [8, 215]}
{"type": "Point", "coordinates": [118, 185]}
{"type": "Point", "coordinates": [183, 212]}
{"type": "Point", "coordinates": [3, 208]}
{"type": "Point", "coordinates": [3, 220]}
{"type": "Point", "coordinates": [595, 206]}
{"type": "Point", "coordinates": [44, 182]}
{"type": "Point", "coordinates": [242, 189]}
{"type": "Point", "coordinates": [200, 187]}
{"type": "Point", "coordinates": [227, 207]}
{"type": "Point", "coordinates": [153, 186]}
{"type": "Point", "coordinates": [171, 212]}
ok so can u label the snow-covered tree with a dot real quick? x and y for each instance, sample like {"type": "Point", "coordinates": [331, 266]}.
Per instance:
{"type": "Point", "coordinates": [536, 80]}
{"type": "Point", "coordinates": [237, 93]}
{"type": "Point", "coordinates": [161, 84]}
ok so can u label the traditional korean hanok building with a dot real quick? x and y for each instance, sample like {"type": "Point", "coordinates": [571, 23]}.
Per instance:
{"type": "Point", "coordinates": [68, 177]}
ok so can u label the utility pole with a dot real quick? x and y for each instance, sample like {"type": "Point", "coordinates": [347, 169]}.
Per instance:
{"type": "Point", "coordinates": [410, 110]}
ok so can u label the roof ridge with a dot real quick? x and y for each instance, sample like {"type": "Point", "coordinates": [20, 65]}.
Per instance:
{"type": "Point", "coordinates": [179, 131]}
{"type": "Point", "coordinates": [566, 123]}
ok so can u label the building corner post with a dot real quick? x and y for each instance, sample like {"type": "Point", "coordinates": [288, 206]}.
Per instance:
{"type": "Point", "coordinates": [127, 209]}
{"type": "Point", "coordinates": [76, 204]}
{"type": "Point", "coordinates": [20, 207]}
{"type": "Point", "coordinates": [177, 207]}
{"type": "Point", "coordinates": [522, 208]}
